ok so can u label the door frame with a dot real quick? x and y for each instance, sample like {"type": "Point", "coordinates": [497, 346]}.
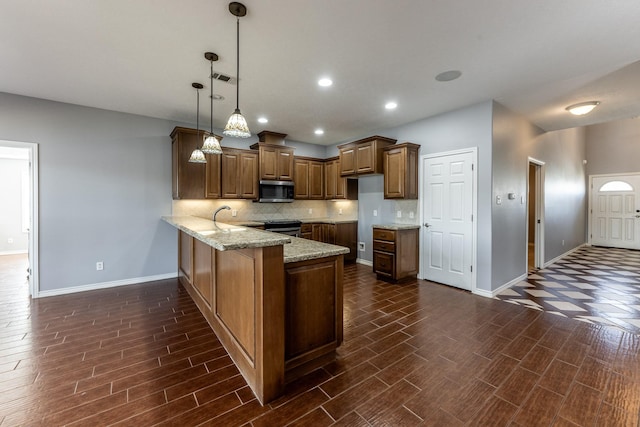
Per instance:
{"type": "Point", "coordinates": [538, 258]}
{"type": "Point", "coordinates": [590, 198]}
{"type": "Point", "coordinates": [34, 277]}
{"type": "Point", "coordinates": [474, 209]}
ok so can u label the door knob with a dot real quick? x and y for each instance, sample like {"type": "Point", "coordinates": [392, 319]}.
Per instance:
{"type": "Point", "coordinates": [426, 224]}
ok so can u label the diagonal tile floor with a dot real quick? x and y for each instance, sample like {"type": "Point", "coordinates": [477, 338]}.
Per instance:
{"type": "Point", "coordinates": [593, 284]}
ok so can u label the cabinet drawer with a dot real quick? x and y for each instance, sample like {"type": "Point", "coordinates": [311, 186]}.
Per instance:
{"type": "Point", "coordinates": [382, 234]}
{"type": "Point", "coordinates": [306, 228]}
{"type": "Point", "coordinates": [383, 263]}
{"type": "Point", "coordinates": [379, 245]}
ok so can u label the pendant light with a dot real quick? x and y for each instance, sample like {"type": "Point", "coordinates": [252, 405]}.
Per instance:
{"type": "Point", "coordinates": [237, 125]}
{"type": "Point", "coordinates": [211, 144]}
{"type": "Point", "coordinates": [197, 156]}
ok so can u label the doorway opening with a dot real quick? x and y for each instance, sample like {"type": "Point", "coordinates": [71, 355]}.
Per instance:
{"type": "Point", "coordinates": [19, 188]}
{"type": "Point", "coordinates": [535, 215]}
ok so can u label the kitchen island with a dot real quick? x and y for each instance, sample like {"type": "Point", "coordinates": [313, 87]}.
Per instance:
{"type": "Point", "coordinates": [274, 301]}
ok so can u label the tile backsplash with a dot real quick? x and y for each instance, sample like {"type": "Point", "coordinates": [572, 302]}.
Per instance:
{"type": "Point", "coordinates": [248, 210]}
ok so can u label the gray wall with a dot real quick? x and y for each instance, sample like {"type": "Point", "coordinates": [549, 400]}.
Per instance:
{"type": "Point", "coordinates": [11, 172]}
{"type": "Point", "coordinates": [613, 147]}
{"type": "Point", "coordinates": [514, 140]}
{"type": "Point", "coordinates": [105, 180]}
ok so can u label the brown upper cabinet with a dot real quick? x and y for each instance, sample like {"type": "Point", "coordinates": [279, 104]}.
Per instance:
{"type": "Point", "coordinates": [309, 178]}
{"type": "Point", "coordinates": [193, 180]}
{"type": "Point", "coordinates": [337, 186]}
{"type": "Point", "coordinates": [401, 171]}
{"type": "Point", "coordinates": [239, 174]}
{"type": "Point", "coordinates": [363, 156]}
{"type": "Point", "coordinates": [276, 160]}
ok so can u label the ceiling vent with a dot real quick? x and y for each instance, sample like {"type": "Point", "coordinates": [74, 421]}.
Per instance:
{"type": "Point", "coordinates": [224, 78]}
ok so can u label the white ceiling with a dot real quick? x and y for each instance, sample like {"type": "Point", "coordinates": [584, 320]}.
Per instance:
{"type": "Point", "coordinates": [535, 57]}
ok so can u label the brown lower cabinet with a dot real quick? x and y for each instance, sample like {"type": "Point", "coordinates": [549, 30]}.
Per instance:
{"type": "Point", "coordinates": [273, 333]}
{"type": "Point", "coordinates": [341, 234]}
{"type": "Point", "coordinates": [395, 253]}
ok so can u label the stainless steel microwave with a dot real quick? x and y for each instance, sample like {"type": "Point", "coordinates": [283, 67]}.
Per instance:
{"type": "Point", "coordinates": [276, 191]}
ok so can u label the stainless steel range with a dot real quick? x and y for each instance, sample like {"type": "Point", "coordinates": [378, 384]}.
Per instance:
{"type": "Point", "coordinates": [290, 227]}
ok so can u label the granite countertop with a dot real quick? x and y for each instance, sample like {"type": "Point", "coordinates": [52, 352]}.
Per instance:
{"type": "Point", "coordinates": [397, 226]}
{"type": "Point", "coordinates": [226, 237]}
{"type": "Point", "coordinates": [246, 223]}
{"type": "Point", "coordinates": [305, 249]}
{"type": "Point", "coordinates": [327, 220]}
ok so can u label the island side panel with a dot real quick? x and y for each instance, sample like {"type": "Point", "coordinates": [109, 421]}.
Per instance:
{"type": "Point", "coordinates": [248, 315]}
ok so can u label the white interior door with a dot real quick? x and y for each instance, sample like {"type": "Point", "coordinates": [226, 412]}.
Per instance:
{"type": "Point", "coordinates": [447, 230]}
{"type": "Point", "coordinates": [615, 211]}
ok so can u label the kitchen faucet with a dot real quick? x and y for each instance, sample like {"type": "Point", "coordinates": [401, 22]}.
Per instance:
{"type": "Point", "coordinates": [218, 210]}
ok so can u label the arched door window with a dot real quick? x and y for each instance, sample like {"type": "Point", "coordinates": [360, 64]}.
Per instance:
{"type": "Point", "coordinates": [616, 186]}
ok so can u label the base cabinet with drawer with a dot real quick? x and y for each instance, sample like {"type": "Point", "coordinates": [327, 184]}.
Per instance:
{"type": "Point", "coordinates": [395, 253]}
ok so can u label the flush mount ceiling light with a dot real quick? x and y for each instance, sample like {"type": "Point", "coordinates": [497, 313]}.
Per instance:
{"type": "Point", "coordinates": [263, 120]}
{"type": "Point", "coordinates": [325, 82]}
{"type": "Point", "coordinates": [391, 105]}
{"type": "Point", "coordinates": [582, 108]}
{"type": "Point", "coordinates": [447, 76]}
{"type": "Point", "coordinates": [318, 132]}
{"type": "Point", "coordinates": [237, 125]}
{"type": "Point", "coordinates": [211, 144]}
{"type": "Point", "coordinates": [197, 156]}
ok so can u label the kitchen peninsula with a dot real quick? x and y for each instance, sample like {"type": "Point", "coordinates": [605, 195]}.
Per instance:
{"type": "Point", "coordinates": [274, 301]}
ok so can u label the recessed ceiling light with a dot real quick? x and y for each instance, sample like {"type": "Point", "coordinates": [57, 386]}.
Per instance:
{"type": "Point", "coordinates": [582, 108]}
{"type": "Point", "coordinates": [447, 76]}
{"type": "Point", "coordinates": [319, 132]}
{"type": "Point", "coordinates": [263, 120]}
{"type": "Point", "coordinates": [325, 82]}
{"type": "Point", "coordinates": [390, 105]}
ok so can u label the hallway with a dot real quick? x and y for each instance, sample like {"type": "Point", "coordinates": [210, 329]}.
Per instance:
{"type": "Point", "coordinates": [414, 354]}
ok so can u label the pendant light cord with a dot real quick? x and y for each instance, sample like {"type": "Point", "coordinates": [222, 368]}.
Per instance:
{"type": "Point", "coordinates": [238, 62]}
{"type": "Point", "coordinates": [211, 88]}
{"type": "Point", "coordinates": [198, 113]}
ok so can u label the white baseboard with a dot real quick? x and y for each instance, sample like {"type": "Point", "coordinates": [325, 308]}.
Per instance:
{"type": "Point", "coordinates": [559, 257]}
{"type": "Point", "coordinates": [14, 252]}
{"type": "Point", "coordinates": [104, 285]}
{"type": "Point", "coordinates": [494, 293]}
{"type": "Point", "coordinates": [364, 262]}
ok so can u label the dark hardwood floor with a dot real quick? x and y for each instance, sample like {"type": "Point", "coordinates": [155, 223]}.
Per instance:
{"type": "Point", "coordinates": [414, 354]}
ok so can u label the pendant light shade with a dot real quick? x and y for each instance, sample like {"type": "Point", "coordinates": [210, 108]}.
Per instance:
{"type": "Point", "coordinates": [237, 125]}
{"type": "Point", "coordinates": [211, 144]}
{"type": "Point", "coordinates": [197, 156]}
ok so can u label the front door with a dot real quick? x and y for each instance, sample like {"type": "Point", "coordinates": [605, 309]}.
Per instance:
{"type": "Point", "coordinates": [615, 211]}
{"type": "Point", "coordinates": [447, 230]}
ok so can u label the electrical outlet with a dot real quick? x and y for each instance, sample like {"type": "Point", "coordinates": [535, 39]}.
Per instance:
{"type": "Point", "coordinates": [99, 266]}
{"type": "Point", "coordinates": [10, 240]}
{"type": "Point", "coordinates": [411, 215]}
{"type": "Point", "coordinates": [375, 212]}
{"type": "Point", "coordinates": [234, 212]}
{"type": "Point", "coordinates": [310, 211]}
{"type": "Point", "coordinates": [339, 211]}
{"type": "Point", "coordinates": [399, 214]}
{"type": "Point", "coordinates": [563, 243]}
{"type": "Point", "coordinates": [498, 200]}
{"type": "Point", "coordinates": [361, 246]}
